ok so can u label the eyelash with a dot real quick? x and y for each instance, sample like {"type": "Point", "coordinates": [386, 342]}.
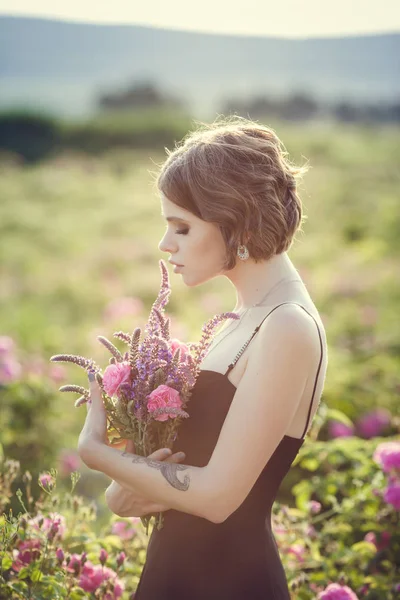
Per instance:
{"type": "Point", "coordinates": [182, 231]}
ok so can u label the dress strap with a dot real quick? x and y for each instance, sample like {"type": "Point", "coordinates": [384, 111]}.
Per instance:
{"type": "Point", "coordinates": [239, 354]}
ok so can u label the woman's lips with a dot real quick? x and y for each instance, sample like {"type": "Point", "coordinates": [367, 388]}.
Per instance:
{"type": "Point", "coordinates": [177, 268]}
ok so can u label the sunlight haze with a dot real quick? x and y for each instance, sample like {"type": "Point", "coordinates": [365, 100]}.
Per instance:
{"type": "Point", "coordinates": [287, 18]}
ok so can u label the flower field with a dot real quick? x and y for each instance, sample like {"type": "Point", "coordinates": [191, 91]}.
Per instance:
{"type": "Point", "coordinates": [79, 259]}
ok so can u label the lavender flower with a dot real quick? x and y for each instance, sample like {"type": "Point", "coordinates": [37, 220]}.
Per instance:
{"type": "Point", "coordinates": [147, 387]}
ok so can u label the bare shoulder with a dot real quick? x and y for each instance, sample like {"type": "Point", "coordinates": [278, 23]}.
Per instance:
{"type": "Point", "coordinates": [291, 323]}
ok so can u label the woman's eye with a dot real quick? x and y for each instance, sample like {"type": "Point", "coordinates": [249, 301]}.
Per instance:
{"type": "Point", "coordinates": [182, 231]}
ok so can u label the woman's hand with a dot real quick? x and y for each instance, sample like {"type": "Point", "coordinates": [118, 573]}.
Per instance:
{"type": "Point", "coordinates": [94, 431]}
{"type": "Point", "coordinates": [125, 503]}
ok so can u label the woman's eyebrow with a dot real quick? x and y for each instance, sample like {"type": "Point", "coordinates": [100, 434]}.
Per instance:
{"type": "Point", "coordinates": [174, 219]}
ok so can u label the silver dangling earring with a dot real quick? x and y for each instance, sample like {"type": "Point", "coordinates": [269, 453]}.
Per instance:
{"type": "Point", "coordinates": [242, 252]}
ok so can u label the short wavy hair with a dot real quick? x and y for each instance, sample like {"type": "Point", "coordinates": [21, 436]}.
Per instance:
{"type": "Point", "coordinates": [235, 173]}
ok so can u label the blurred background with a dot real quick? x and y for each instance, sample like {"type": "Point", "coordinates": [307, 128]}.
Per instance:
{"type": "Point", "coordinates": [90, 98]}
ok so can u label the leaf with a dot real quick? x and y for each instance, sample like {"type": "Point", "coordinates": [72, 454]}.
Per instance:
{"type": "Point", "coordinates": [24, 573]}
{"type": "Point", "coordinates": [37, 575]}
{"type": "Point", "coordinates": [364, 549]}
{"type": "Point", "coordinates": [338, 415]}
{"type": "Point", "coordinates": [311, 464]}
{"type": "Point", "coordinates": [6, 563]}
{"type": "Point", "coordinates": [77, 593]}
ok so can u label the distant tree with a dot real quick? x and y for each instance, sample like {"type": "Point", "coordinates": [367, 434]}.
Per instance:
{"type": "Point", "coordinates": [344, 111]}
{"type": "Point", "coordinates": [296, 107]}
{"type": "Point", "coordinates": [299, 107]}
{"type": "Point", "coordinates": [138, 95]}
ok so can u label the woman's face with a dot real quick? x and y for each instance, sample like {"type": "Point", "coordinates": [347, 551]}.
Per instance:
{"type": "Point", "coordinates": [193, 243]}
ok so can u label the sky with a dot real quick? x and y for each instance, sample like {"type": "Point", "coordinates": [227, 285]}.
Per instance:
{"type": "Point", "coordinates": [283, 18]}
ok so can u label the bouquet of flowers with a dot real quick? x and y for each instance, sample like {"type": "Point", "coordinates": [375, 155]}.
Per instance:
{"type": "Point", "coordinates": [146, 388]}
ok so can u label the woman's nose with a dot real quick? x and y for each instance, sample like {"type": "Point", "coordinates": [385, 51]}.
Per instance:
{"type": "Point", "coordinates": [165, 245]}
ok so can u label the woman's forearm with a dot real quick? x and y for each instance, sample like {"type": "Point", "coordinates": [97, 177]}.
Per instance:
{"type": "Point", "coordinates": [125, 503]}
{"type": "Point", "coordinates": [182, 487]}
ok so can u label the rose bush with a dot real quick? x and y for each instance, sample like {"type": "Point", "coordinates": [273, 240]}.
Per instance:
{"type": "Point", "coordinates": [340, 541]}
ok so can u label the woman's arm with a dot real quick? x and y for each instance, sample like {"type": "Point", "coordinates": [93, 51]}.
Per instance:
{"type": "Point", "coordinates": [161, 481]}
{"type": "Point", "coordinates": [125, 503]}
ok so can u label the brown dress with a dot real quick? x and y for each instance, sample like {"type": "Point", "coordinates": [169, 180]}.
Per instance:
{"type": "Point", "coordinates": [191, 558]}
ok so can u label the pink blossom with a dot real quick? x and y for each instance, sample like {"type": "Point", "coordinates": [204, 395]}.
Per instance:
{"type": "Point", "coordinates": [122, 529]}
{"type": "Point", "coordinates": [46, 480]}
{"type": "Point", "coordinates": [370, 537]}
{"type": "Point", "coordinates": [75, 564]}
{"type": "Point", "coordinates": [334, 591]}
{"type": "Point", "coordinates": [27, 551]}
{"type": "Point", "coordinates": [392, 494]}
{"type": "Point", "coordinates": [57, 373]}
{"type": "Point", "coordinates": [10, 369]}
{"type": "Point", "coordinates": [373, 423]}
{"type": "Point", "coordinates": [93, 576]}
{"type": "Point", "coordinates": [55, 524]}
{"type": "Point", "coordinates": [121, 558]}
{"type": "Point", "coordinates": [115, 375]}
{"type": "Point", "coordinates": [175, 344]}
{"type": "Point", "coordinates": [60, 554]}
{"type": "Point", "coordinates": [338, 429]}
{"type": "Point", "coordinates": [7, 345]}
{"type": "Point", "coordinates": [383, 542]}
{"type": "Point", "coordinates": [387, 455]}
{"type": "Point", "coordinates": [311, 532]}
{"type": "Point", "coordinates": [314, 506]}
{"type": "Point", "coordinates": [69, 462]}
{"type": "Point", "coordinates": [123, 307]}
{"type": "Point", "coordinates": [298, 550]}
{"type": "Point", "coordinates": [163, 397]}
{"type": "Point", "coordinates": [103, 556]}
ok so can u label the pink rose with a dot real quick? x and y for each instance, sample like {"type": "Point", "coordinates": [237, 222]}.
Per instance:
{"type": "Point", "coordinates": [174, 344]}
{"type": "Point", "coordinates": [47, 481]}
{"type": "Point", "coordinates": [383, 542]}
{"type": "Point", "coordinates": [114, 376]}
{"type": "Point", "coordinates": [298, 550]}
{"type": "Point", "coordinates": [28, 550]}
{"type": "Point", "coordinates": [334, 591]}
{"type": "Point", "coordinates": [314, 506]}
{"type": "Point", "coordinates": [7, 345]}
{"type": "Point", "coordinates": [10, 370]}
{"type": "Point", "coordinates": [122, 529]}
{"type": "Point", "coordinates": [92, 577]}
{"type": "Point", "coordinates": [57, 373]}
{"type": "Point", "coordinates": [373, 423]}
{"type": "Point", "coordinates": [163, 397]}
{"type": "Point", "coordinates": [338, 429]}
{"type": "Point", "coordinates": [69, 461]}
{"type": "Point", "coordinates": [55, 523]}
{"type": "Point", "coordinates": [387, 455]}
{"type": "Point", "coordinates": [74, 564]}
{"type": "Point", "coordinates": [392, 494]}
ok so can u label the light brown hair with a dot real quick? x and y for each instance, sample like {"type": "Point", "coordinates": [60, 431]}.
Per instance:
{"type": "Point", "coordinates": [235, 173]}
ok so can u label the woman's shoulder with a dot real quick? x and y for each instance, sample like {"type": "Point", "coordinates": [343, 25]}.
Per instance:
{"type": "Point", "coordinates": [296, 315]}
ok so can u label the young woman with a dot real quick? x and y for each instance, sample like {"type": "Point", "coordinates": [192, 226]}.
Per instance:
{"type": "Point", "coordinates": [229, 197]}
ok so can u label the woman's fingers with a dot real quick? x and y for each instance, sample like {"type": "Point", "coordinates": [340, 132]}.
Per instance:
{"type": "Point", "coordinates": [161, 454]}
{"type": "Point", "coordinates": [177, 457]}
{"type": "Point", "coordinates": [130, 446]}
